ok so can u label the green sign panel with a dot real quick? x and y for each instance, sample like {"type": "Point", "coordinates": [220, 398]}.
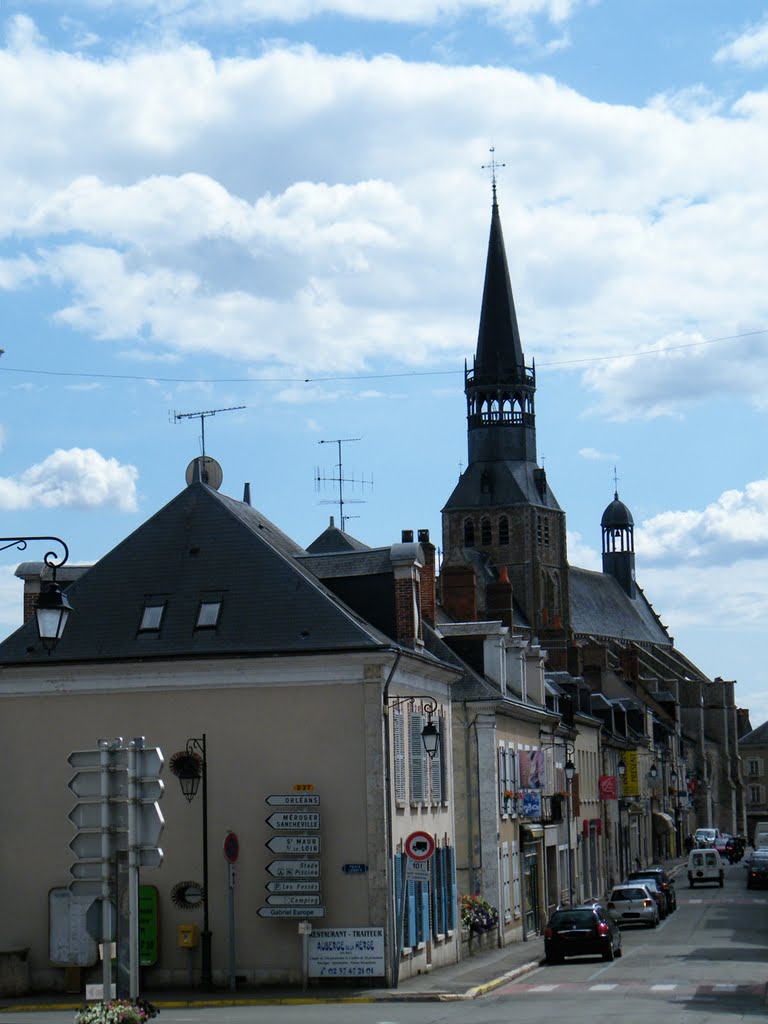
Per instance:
{"type": "Point", "coordinates": [149, 945]}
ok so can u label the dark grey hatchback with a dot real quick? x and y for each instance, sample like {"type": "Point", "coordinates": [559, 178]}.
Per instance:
{"type": "Point", "coordinates": [581, 931]}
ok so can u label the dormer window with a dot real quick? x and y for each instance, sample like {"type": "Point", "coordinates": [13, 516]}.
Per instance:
{"type": "Point", "coordinates": [208, 615]}
{"type": "Point", "coordinates": [152, 617]}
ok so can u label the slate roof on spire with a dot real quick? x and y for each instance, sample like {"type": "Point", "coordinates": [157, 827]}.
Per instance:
{"type": "Point", "coordinates": [499, 350]}
{"type": "Point", "coordinates": [617, 514]}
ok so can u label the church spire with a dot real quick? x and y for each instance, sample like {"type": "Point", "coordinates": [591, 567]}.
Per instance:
{"type": "Point", "coordinates": [499, 387]}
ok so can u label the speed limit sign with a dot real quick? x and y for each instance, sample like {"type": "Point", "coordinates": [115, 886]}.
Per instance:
{"type": "Point", "coordinates": [419, 846]}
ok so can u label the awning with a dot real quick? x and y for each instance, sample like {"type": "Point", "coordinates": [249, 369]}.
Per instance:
{"type": "Point", "coordinates": [532, 831]}
{"type": "Point", "coordinates": [663, 821]}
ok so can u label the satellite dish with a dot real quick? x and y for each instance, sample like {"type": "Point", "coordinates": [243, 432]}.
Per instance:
{"type": "Point", "coordinates": [207, 470]}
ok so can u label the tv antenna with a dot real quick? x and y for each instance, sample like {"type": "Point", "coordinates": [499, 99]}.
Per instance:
{"type": "Point", "coordinates": [341, 480]}
{"type": "Point", "coordinates": [203, 415]}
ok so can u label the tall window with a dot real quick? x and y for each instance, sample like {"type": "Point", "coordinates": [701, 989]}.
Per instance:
{"type": "Point", "coordinates": [503, 530]}
{"type": "Point", "coordinates": [485, 531]}
{"type": "Point", "coordinates": [469, 533]}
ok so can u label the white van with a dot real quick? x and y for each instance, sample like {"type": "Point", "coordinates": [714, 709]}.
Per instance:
{"type": "Point", "coordinates": [706, 836]}
{"type": "Point", "coordinates": [761, 834]}
{"type": "Point", "coordinates": [704, 866]}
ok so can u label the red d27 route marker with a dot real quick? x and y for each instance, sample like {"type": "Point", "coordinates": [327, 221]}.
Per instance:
{"type": "Point", "coordinates": [419, 846]}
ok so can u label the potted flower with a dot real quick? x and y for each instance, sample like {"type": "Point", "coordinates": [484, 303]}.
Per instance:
{"type": "Point", "coordinates": [477, 915]}
{"type": "Point", "coordinates": [117, 1011]}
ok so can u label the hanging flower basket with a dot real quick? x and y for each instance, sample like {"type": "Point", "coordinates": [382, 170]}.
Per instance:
{"type": "Point", "coordinates": [117, 1011]}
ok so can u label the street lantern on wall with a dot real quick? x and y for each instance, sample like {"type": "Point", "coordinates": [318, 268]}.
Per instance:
{"type": "Point", "coordinates": [52, 607]}
{"type": "Point", "coordinates": [190, 766]}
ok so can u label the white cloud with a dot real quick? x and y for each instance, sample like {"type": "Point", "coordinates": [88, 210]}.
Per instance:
{"type": "Point", "coordinates": [727, 531]}
{"type": "Point", "coordinates": [595, 455]}
{"type": "Point", "coordinates": [228, 12]}
{"type": "Point", "coordinates": [372, 257]}
{"type": "Point", "coordinates": [581, 553]}
{"type": "Point", "coordinates": [750, 48]}
{"type": "Point", "coordinates": [79, 478]}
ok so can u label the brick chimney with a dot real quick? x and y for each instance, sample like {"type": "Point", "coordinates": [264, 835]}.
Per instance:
{"type": "Point", "coordinates": [427, 582]}
{"type": "Point", "coordinates": [458, 592]}
{"type": "Point", "coordinates": [407, 589]}
{"type": "Point", "coordinates": [498, 598]}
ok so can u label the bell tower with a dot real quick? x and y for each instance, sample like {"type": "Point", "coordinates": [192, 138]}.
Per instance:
{"type": "Point", "coordinates": [502, 520]}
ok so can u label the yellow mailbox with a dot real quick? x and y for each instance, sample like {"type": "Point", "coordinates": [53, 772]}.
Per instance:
{"type": "Point", "coordinates": [187, 936]}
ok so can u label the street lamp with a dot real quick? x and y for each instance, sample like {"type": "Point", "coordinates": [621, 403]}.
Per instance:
{"type": "Point", "coordinates": [190, 767]}
{"type": "Point", "coordinates": [52, 606]}
{"type": "Point", "coordinates": [430, 737]}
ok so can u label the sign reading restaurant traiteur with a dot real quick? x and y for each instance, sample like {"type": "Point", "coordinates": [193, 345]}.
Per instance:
{"type": "Point", "coordinates": [346, 953]}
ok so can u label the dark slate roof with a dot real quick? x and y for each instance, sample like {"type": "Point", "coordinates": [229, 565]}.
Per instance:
{"type": "Point", "coordinates": [202, 544]}
{"type": "Point", "coordinates": [363, 562]}
{"type": "Point", "coordinates": [499, 351]}
{"type": "Point", "coordinates": [601, 608]}
{"type": "Point", "coordinates": [757, 738]}
{"type": "Point", "coordinates": [332, 539]}
{"type": "Point", "coordinates": [512, 483]}
{"type": "Point", "coordinates": [617, 514]}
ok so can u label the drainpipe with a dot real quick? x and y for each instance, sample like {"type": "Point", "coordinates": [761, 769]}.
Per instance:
{"type": "Point", "coordinates": [394, 932]}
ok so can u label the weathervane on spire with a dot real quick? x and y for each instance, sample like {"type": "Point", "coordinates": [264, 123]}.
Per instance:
{"type": "Point", "coordinates": [492, 166]}
{"type": "Point", "coordinates": [615, 485]}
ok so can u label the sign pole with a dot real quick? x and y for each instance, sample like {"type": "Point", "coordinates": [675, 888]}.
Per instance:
{"type": "Point", "coordinates": [106, 855]}
{"type": "Point", "coordinates": [133, 865]}
{"type": "Point", "coordinates": [232, 969]}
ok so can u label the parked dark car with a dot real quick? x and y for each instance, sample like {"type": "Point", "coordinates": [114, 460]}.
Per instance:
{"type": "Point", "coordinates": [666, 884]}
{"type": "Point", "coordinates": [757, 870]}
{"type": "Point", "coordinates": [583, 930]}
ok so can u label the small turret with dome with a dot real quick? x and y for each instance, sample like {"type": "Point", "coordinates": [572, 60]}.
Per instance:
{"type": "Point", "coordinates": [618, 529]}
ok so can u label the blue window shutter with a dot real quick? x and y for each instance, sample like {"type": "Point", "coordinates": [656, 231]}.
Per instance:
{"type": "Point", "coordinates": [411, 914]}
{"type": "Point", "coordinates": [398, 892]}
{"type": "Point", "coordinates": [451, 880]}
{"type": "Point", "coordinates": [424, 931]}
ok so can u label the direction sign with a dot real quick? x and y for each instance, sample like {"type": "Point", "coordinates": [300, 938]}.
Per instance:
{"type": "Point", "coordinates": [87, 785]}
{"type": "Point", "coordinates": [294, 844]}
{"type": "Point", "coordinates": [294, 868]}
{"type": "Point", "coordinates": [88, 815]}
{"type": "Point", "coordinates": [298, 899]}
{"type": "Point", "coordinates": [291, 912]}
{"type": "Point", "coordinates": [292, 886]}
{"type": "Point", "coordinates": [294, 799]}
{"type": "Point", "coordinates": [87, 845]}
{"type": "Point", "coordinates": [118, 757]}
{"type": "Point", "coordinates": [294, 819]}
{"type": "Point", "coordinates": [85, 889]}
{"type": "Point", "coordinates": [150, 857]}
{"type": "Point", "coordinates": [419, 846]}
{"type": "Point", "coordinates": [87, 869]}
{"type": "Point", "coordinates": [150, 825]}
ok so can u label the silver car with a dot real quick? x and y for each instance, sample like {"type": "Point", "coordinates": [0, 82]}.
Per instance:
{"type": "Point", "coordinates": [633, 903]}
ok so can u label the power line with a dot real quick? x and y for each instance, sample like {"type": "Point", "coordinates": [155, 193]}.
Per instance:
{"type": "Point", "coordinates": [366, 376]}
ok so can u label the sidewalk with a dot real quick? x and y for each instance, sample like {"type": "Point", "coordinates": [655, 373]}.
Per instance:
{"type": "Point", "coordinates": [467, 979]}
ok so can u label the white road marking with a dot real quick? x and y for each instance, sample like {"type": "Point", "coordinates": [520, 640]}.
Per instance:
{"type": "Point", "coordinates": [544, 988]}
{"type": "Point", "coordinates": [602, 988]}
{"type": "Point", "coordinates": [663, 988]}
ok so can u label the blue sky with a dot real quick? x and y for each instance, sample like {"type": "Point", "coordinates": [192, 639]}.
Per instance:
{"type": "Point", "coordinates": [281, 205]}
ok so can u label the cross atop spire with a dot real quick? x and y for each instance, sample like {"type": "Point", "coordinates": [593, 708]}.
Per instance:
{"type": "Point", "coordinates": [492, 167]}
{"type": "Point", "coordinates": [615, 485]}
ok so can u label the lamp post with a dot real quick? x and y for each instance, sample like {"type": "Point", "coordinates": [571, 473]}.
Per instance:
{"type": "Point", "coordinates": [190, 766]}
{"type": "Point", "coordinates": [52, 606]}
